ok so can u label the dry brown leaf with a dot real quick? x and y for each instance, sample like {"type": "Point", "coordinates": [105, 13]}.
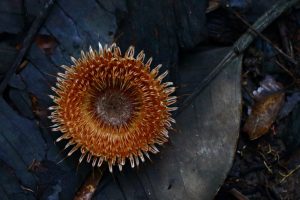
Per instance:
{"type": "Point", "coordinates": [263, 115]}
{"type": "Point", "coordinates": [213, 5]}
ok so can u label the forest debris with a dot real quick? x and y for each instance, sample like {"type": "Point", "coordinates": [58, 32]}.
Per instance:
{"type": "Point", "coordinates": [23, 64]}
{"type": "Point", "coordinates": [35, 27]}
{"type": "Point", "coordinates": [265, 110]}
{"type": "Point", "coordinates": [240, 46]}
{"type": "Point", "coordinates": [289, 105]}
{"type": "Point", "coordinates": [285, 176]}
{"type": "Point", "coordinates": [38, 111]}
{"type": "Point", "coordinates": [263, 115]}
{"type": "Point", "coordinates": [262, 36]}
{"type": "Point", "coordinates": [267, 86]}
{"type": "Point", "coordinates": [213, 5]}
{"type": "Point", "coordinates": [34, 166]}
{"type": "Point", "coordinates": [27, 189]}
{"type": "Point", "coordinates": [238, 195]}
{"type": "Point", "coordinates": [286, 42]}
{"type": "Point", "coordinates": [87, 190]}
{"type": "Point", "coordinates": [46, 43]}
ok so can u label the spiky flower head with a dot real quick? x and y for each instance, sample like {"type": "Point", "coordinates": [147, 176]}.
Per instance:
{"type": "Point", "coordinates": [112, 107]}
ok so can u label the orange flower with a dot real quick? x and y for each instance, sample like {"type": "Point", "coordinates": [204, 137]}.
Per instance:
{"type": "Point", "coordinates": [112, 107]}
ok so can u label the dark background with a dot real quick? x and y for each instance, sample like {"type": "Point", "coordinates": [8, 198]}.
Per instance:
{"type": "Point", "coordinates": [189, 37]}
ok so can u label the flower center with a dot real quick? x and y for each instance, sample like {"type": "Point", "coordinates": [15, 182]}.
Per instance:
{"type": "Point", "coordinates": [114, 107]}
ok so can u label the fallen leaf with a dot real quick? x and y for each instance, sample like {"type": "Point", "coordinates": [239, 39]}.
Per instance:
{"type": "Point", "coordinates": [190, 166]}
{"type": "Point", "coordinates": [263, 115]}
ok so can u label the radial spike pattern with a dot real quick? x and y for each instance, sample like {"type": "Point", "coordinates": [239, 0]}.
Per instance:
{"type": "Point", "coordinates": [112, 107]}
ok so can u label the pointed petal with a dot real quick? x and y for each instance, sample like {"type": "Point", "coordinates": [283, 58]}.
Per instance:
{"type": "Point", "coordinates": [141, 56]}
{"type": "Point", "coordinates": [110, 166]}
{"type": "Point", "coordinates": [82, 157]}
{"type": "Point", "coordinates": [162, 76]}
{"type": "Point", "coordinates": [89, 157]}
{"type": "Point", "coordinates": [100, 48]}
{"type": "Point", "coordinates": [130, 52]}
{"type": "Point", "coordinates": [94, 161]}
{"type": "Point", "coordinates": [73, 150]}
{"type": "Point", "coordinates": [131, 161]}
{"type": "Point", "coordinates": [73, 60]}
{"type": "Point", "coordinates": [100, 161]}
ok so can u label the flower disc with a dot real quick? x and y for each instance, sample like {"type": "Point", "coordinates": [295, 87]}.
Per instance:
{"type": "Point", "coordinates": [112, 107]}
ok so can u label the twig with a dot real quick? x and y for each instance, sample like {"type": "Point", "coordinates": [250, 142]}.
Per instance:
{"type": "Point", "coordinates": [286, 70]}
{"type": "Point", "coordinates": [268, 167]}
{"type": "Point", "coordinates": [27, 189]}
{"type": "Point", "coordinates": [240, 45]}
{"type": "Point", "coordinates": [237, 194]}
{"type": "Point", "coordinates": [289, 58]}
{"type": "Point", "coordinates": [286, 42]}
{"type": "Point", "coordinates": [27, 43]}
{"type": "Point", "coordinates": [89, 187]}
{"type": "Point", "coordinates": [285, 176]}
